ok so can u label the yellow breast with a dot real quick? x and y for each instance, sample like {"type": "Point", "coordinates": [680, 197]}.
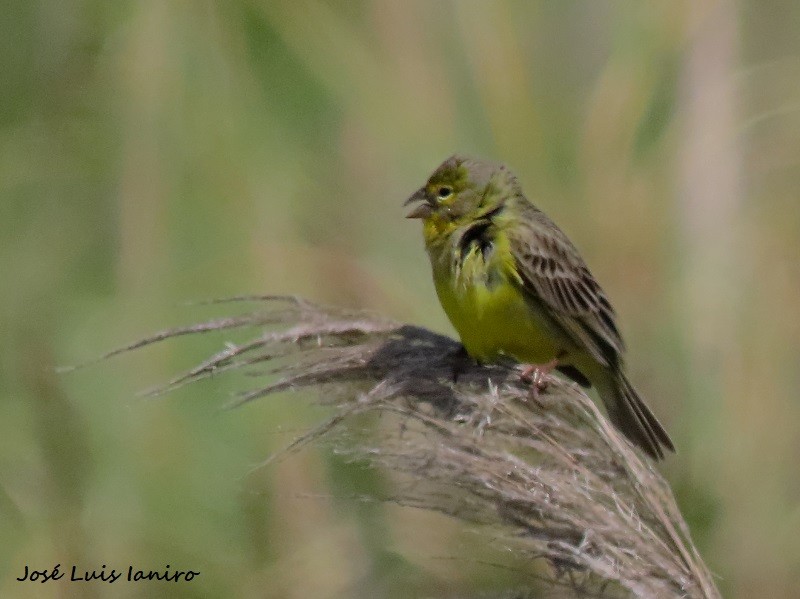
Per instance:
{"type": "Point", "coordinates": [483, 299]}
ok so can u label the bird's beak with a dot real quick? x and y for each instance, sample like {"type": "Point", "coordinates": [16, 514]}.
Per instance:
{"type": "Point", "coordinates": [424, 210]}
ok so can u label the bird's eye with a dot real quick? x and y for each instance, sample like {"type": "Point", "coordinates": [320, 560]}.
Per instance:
{"type": "Point", "coordinates": [444, 192]}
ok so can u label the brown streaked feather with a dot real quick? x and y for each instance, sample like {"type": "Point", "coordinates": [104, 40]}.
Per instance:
{"type": "Point", "coordinates": [574, 374]}
{"type": "Point", "coordinates": [552, 271]}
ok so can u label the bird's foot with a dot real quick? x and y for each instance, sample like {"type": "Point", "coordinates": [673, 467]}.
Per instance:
{"type": "Point", "coordinates": [536, 376]}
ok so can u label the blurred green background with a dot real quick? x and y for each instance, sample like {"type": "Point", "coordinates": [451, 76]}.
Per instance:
{"type": "Point", "coordinates": [158, 152]}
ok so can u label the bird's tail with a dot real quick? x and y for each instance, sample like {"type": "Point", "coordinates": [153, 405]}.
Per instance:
{"type": "Point", "coordinates": [632, 416]}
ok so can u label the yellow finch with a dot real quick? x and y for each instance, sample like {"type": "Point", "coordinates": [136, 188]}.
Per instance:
{"type": "Point", "coordinates": [513, 284]}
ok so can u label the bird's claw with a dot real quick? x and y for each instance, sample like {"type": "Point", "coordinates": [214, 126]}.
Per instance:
{"type": "Point", "coordinates": [535, 375]}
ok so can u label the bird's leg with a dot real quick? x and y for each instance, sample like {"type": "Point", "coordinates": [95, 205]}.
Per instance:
{"type": "Point", "coordinates": [535, 374]}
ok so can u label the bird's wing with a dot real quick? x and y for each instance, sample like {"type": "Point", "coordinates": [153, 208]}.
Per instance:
{"type": "Point", "coordinates": [550, 270]}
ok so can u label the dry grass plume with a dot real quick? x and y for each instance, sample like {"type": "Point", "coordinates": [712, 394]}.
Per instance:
{"type": "Point", "coordinates": [551, 477]}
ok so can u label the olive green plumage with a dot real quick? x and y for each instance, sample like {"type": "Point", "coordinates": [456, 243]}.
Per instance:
{"type": "Point", "coordinates": [512, 284]}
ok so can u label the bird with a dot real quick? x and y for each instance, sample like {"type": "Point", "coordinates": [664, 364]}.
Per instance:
{"type": "Point", "coordinates": [514, 286]}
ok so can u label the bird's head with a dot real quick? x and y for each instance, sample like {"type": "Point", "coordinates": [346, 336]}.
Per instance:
{"type": "Point", "coordinates": [461, 190]}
